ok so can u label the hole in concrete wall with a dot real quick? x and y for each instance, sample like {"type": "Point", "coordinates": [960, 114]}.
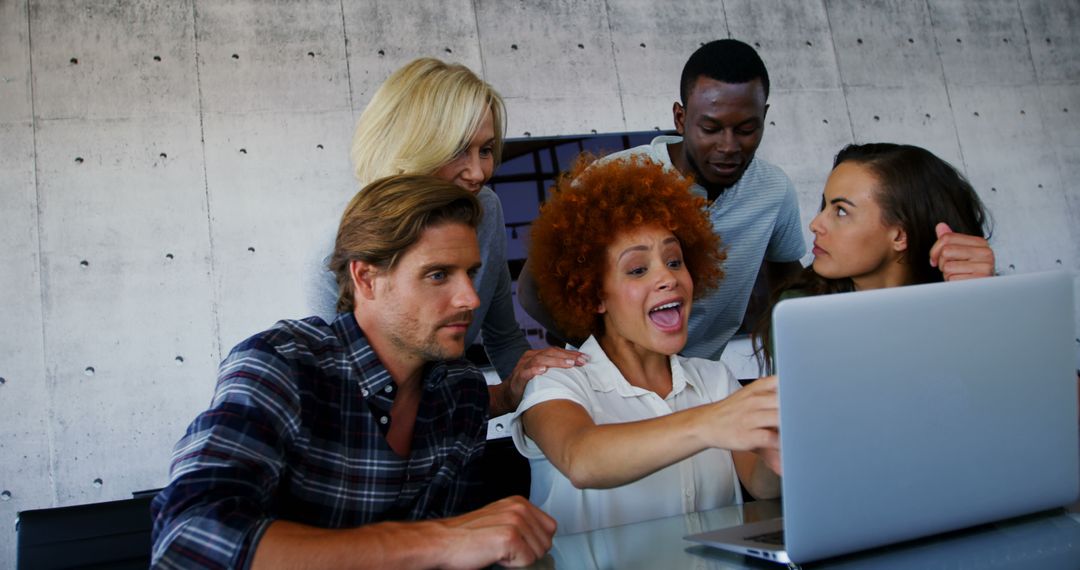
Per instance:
{"type": "Point", "coordinates": [78, 160]}
{"type": "Point", "coordinates": [243, 151]}
{"type": "Point", "coordinates": [910, 40]}
{"type": "Point", "coordinates": [319, 146]}
{"type": "Point", "coordinates": [1057, 261]}
{"type": "Point", "coordinates": [1012, 267]}
{"type": "Point", "coordinates": [756, 44]}
{"type": "Point", "coordinates": [1006, 40]}
{"type": "Point", "coordinates": [179, 360]}
{"type": "Point", "coordinates": [877, 118]}
{"type": "Point", "coordinates": [169, 256]}
{"type": "Point", "coordinates": [976, 113]}
{"type": "Point", "coordinates": [251, 250]}
{"type": "Point", "coordinates": [772, 123]}
{"type": "Point", "coordinates": [236, 56]}
{"type": "Point", "coordinates": [642, 44]}
{"type": "Point", "coordinates": [74, 61]}
{"type": "Point", "coordinates": [1022, 112]}
{"type": "Point", "coordinates": [1048, 40]}
{"type": "Point", "coordinates": [311, 54]}
{"type": "Point", "coordinates": [927, 115]}
{"type": "Point", "coordinates": [656, 128]}
{"type": "Point", "coordinates": [1065, 110]}
{"type": "Point", "coordinates": [825, 121]}
{"type": "Point", "coordinates": [89, 371]}
{"type": "Point", "coordinates": [3, 380]}
{"type": "Point", "coordinates": [858, 41]}
{"type": "Point", "coordinates": [593, 131]}
{"type": "Point", "coordinates": [513, 47]}
{"type": "Point", "coordinates": [163, 155]}
{"type": "Point", "coordinates": [1040, 185]}
{"type": "Point", "coordinates": [5, 496]}
{"type": "Point", "coordinates": [382, 53]}
{"type": "Point", "coordinates": [809, 44]}
{"type": "Point", "coordinates": [527, 133]}
{"type": "Point", "coordinates": [993, 189]}
{"type": "Point", "coordinates": [448, 50]}
{"type": "Point", "coordinates": [98, 482]}
{"type": "Point", "coordinates": [84, 263]}
{"type": "Point", "coordinates": [157, 58]}
{"type": "Point", "coordinates": [581, 46]}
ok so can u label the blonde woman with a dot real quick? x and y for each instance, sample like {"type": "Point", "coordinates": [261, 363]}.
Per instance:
{"type": "Point", "coordinates": [432, 117]}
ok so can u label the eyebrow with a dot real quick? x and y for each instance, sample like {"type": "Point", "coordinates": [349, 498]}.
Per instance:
{"type": "Point", "coordinates": [425, 269]}
{"type": "Point", "coordinates": [844, 200]}
{"type": "Point", "coordinates": [666, 241]}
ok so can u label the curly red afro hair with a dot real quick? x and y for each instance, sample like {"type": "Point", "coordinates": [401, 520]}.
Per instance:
{"type": "Point", "coordinates": [591, 205]}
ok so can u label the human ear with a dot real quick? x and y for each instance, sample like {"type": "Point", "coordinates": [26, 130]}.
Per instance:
{"type": "Point", "coordinates": [899, 239]}
{"type": "Point", "coordinates": [600, 308]}
{"type": "Point", "coordinates": [363, 279]}
{"type": "Point", "coordinates": [678, 113]}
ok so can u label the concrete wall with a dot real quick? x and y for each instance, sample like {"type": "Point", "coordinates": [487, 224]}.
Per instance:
{"type": "Point", "coordinates": [164, 166]}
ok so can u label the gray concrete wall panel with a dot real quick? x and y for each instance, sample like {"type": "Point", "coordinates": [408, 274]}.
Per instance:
{"type": "Point", "coordinates": [651, 42]}
{"type": "Point", "coordinates": [249, 61]}
{"type": "Point", "coordinates": [1051, 30]}
{"type": "Point", "coordinates": [982, 43]}
{"type": "Point", "coordinates": [886, 43]}
{"type": "Point", "coordinates": [24, 401]}
{"type": "Point", "coordinates": [273, 194]}
{"type": "Point", "coordinates": [125, 272]}
{"type": "Point", "coordinates": [381, 39]}
{"type": "Point", "coordinates": [918, 116]}
{"type": "Point", "coordinates": [1017, 175]}
{"type": "Point", "coordinates": [112, 59]}
{"type": "Point", "coordinates": [553, 63]}
{"type": "Point", "coordinates": [792, 37]}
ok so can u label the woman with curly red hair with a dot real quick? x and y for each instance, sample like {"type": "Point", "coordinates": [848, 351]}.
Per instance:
{"type": "Point", "coordinates": [621, 250]}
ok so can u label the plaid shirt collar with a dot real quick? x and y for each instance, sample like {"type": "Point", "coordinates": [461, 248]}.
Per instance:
{"type": "Point", "coordinates": [367, 370]}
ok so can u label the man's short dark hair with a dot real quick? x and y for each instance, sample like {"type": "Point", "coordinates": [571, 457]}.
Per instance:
{"type": "Point", "coordinates": [729, 61]}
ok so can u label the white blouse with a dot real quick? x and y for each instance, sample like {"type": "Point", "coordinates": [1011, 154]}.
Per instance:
{"type": "Point", "coordinates": [704, 481]}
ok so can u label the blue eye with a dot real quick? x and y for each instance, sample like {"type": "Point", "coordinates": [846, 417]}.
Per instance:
{"type": "Point", "coordinates": [437, 276]}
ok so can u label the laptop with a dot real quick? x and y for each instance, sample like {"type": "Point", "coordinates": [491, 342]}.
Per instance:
{"type": "Point", "coordinates": [917, 410]}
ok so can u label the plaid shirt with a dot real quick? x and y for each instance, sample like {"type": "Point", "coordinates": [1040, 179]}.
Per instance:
{"type": "Point", "coordinates": [297, 431]}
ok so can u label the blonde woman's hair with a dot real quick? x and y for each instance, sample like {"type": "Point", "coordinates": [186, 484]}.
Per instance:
{"type": "Point", "coordinates": [388, 216]}
{"type": "Point", "coordinates": [420, 118]}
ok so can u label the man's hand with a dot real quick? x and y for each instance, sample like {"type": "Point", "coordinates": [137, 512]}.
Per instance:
{"type": "Point", "coordinates": [511, 532]}
{"type": "Point", "coordinates": [506, 396]}
{"type": "Point", "coordinates": [961, 256]}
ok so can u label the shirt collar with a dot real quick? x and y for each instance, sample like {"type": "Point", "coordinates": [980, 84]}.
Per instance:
{"type": "Point", "coordinates": [367, 370]}
{"type": "Point", "coordinates": [605, 376]}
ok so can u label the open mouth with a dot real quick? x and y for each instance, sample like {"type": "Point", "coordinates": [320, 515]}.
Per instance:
{"type": "Point", "coordinates": [667, 317]}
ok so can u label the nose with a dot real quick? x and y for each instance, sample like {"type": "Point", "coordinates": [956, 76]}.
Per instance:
{"type": "Point", "coordinates": [815, 224]}
{"type": "Point", "coordinates": [466, 297]}
{"type": "Point", "coordinates": [665, 279]}
{"type": "Point", "coordinates": [473, 172]}
{"type": "Point", "coordinates": [726, 142]}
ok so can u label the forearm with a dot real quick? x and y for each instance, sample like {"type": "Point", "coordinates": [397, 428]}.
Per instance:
{"type": "Point", "coordinates": [610, 455]}
{"type": "Point", "coordinates": [761, 481]}
{"type": "Point", "coordinates": [288, 544]}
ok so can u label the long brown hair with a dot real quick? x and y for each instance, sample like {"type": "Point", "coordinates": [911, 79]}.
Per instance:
{"type": "Point", "coordinates": [915, 190]}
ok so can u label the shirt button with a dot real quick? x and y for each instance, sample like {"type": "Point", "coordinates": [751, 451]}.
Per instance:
{"type": "Point", "coordinates": [364, 392]}
{"type": "Point", "coordinates": [389, 388]}
{"type": "Point", "coordinates": [383, 420]}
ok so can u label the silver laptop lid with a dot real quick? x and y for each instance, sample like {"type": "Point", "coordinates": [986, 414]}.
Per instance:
{"type": "Point", "coordinates": [915, 410]}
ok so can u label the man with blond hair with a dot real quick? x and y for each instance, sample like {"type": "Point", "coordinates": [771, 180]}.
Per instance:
{"type": "Point", "coordinates": [351, 444]}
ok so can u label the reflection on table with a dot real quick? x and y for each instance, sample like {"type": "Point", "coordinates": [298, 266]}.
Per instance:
{"type": "Point", "coordinates": [1044, 540]}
